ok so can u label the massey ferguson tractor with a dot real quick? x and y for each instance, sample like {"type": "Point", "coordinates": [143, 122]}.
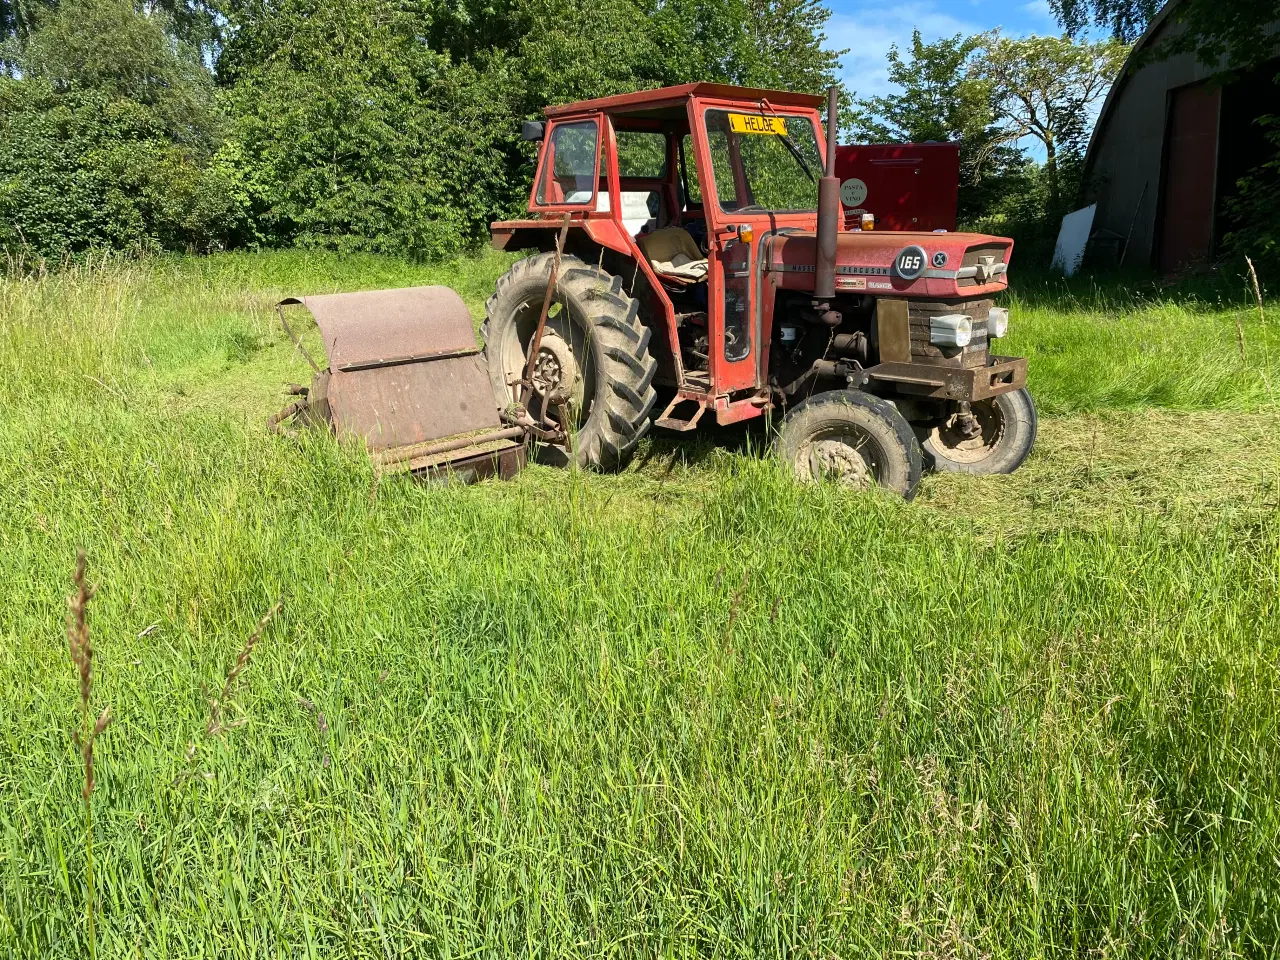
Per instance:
{"type": "Point", "coordinates": [688, 243]}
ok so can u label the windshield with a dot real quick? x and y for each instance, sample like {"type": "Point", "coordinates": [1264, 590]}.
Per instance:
{"type": "Point", "coordinates": [763, 161]}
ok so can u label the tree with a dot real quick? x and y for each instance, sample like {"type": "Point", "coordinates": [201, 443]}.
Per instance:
{"type": "Point", "coordinates": [393, 124]}
{"type": "Point", "coordinates": [190, 21]}
{"type": "Point", "coordinates": [367, 124]}
{"type": "Point", "coordinates": [1045, 88]}
{"type": "Point", "coordinates": [351, 133]}
{"type": "Point", "coordinates": [106, 136]}
{"type": "Point", "coordinates": [943, 98]}
{"type": "Point", "coordinates": [1236, 29]}
{"type": "Point", "coordinates": [111, 48]}
{"type": "Point", "coordinates": [779, 44]}
{"type": "Point", "coordinates": [940, 100]}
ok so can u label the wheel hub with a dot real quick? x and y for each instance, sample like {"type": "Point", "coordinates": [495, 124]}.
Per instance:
{"type": "Point", "coordinates": [841, 462]}
{"type": "Point", "coordinates": [970, 436]}
{"type": "Point", "coordinates": [555, 371]}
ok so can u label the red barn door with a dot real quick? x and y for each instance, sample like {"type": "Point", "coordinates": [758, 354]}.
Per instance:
{"type": "Point", "coordinates": [1191, 159]}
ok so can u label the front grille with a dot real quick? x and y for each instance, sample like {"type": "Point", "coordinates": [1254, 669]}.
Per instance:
{"type": "Point", "coordinates": [974, 356]}
{"type": "Point", "coordinates": [985, 253]}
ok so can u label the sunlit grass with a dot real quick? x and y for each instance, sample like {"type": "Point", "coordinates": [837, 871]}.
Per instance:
{"type": "Point", "coordinates": [689, 710]}
{"type": "Point", "coordinates": [1096, 347]}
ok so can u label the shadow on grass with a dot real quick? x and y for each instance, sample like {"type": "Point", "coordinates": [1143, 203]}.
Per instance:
{"type": "Point", "coordinates": [663, 449]}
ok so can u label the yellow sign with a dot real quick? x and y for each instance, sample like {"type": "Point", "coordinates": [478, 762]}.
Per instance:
{"type": "Point", "coordinates": [749, 123]}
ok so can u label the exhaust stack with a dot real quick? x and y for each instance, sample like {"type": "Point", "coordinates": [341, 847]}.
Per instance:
{"type": "Point", "coordinates": [824, 286]}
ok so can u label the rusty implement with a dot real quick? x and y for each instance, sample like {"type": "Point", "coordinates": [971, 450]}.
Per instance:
{"type": "Point", "coordinates": [407, 375]}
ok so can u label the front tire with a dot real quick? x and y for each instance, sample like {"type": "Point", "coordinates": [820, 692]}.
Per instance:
{"type": "Point", "coordinates": [1008, 432]}
{"type": "Point", "coordinates": [595, 339]}
{"type": "Point", "coordinates": [853, 438]}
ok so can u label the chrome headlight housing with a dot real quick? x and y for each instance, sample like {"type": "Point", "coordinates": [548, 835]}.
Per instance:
{"type": "Point", "coordinates": [998, 322]}
{"type": "Point", "coordinates": [951, 330]}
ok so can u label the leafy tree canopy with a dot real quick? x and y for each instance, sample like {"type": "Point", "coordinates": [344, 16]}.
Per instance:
{"type": "Point", "coordinates": [111, 48]}
{"type": "Point", "coordinates": [366, 124]}
{"type": "Point", "coordinates": [393, 124]}
{"type": "Point", "coordinates": [1235, 29]}
{"type": "Point", "coordinates": [1044, 88]}
{"type": "Point", "coordinates": [190, 21]}
{"type": "Point", "coordinates": [107, 128]}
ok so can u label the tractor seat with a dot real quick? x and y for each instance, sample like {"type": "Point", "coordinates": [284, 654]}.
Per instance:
{"type": "Point", "coordinates": [674, 256]}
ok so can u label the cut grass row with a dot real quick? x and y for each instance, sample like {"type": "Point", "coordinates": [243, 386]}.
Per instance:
{"type": "Point", "coordinates": [689, 710]}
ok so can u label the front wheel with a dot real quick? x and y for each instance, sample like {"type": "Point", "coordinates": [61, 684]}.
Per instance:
{"type": "Point", "coordinates": [997, 440]}
{"type": "Point", "coordinates": [853, 438]}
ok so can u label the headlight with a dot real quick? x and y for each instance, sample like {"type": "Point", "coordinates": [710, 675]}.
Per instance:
{"type": "Point", "coordinates": [998, 322]}
{"type": "Point", "coordinates": [950, 330]}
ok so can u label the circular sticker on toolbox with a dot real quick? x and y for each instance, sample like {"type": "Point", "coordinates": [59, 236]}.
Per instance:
{"type": "Point", "coordinates": [910, 263]}
{"type": "Point", "coordinates": [853, 192]}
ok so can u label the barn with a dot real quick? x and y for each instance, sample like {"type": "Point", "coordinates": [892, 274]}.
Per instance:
{"type": "Point", "coordinates": [1173, 137]}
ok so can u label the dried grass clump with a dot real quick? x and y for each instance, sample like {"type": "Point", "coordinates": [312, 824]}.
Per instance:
{"type": "Point", "coordinates": [81, 646]}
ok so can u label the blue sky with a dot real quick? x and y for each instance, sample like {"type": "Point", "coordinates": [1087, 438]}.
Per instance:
{"type": "Point", "coordinates": [870, 27]}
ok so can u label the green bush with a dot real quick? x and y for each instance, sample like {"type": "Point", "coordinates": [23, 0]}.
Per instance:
{"type": "Point", "coordinates": [357, 137]}
{"type": "Point", "coordinates": [80, 171]}
{"type": "Point", "coordinates": [1255, 209]}
{"type": "Point", "coordinates": [107, 126]}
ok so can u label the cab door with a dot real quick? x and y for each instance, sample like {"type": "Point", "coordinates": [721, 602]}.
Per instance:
{"type": "Point", "coordinates": [732, 290]}
{"type": "Point", "coordinates": [731, 271]}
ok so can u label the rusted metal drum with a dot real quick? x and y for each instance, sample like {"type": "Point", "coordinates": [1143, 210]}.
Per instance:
{"type": "Point", "coordinates": [407, 375]}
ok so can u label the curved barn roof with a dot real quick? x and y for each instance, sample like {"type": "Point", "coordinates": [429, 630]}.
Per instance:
{"type": "Point", "coordinates": [1122, 79]}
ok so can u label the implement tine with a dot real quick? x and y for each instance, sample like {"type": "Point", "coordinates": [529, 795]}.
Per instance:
{"type": "Point", "coordinates": [294, 337]}
{"type": "Point", "coordinates": [536, 343]}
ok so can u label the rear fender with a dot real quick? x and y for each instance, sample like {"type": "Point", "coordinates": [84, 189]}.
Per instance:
{"type": "Point", "coordinates": [513, 235]}
{"type": "Point", "coordinates": [596, 233]}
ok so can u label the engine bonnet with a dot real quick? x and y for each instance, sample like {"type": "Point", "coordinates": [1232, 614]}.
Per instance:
{"type": "Point", "coordinates": [867, 262]}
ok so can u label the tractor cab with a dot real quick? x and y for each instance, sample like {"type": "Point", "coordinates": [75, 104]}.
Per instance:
{"type": "Point", "coordinates": [680, 181]}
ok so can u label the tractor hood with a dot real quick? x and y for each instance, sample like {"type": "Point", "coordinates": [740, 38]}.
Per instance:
{"type": "Point", "coordinates": [933, 265]}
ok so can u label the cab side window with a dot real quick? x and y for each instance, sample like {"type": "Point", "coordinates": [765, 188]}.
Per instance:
{"type": "Point", "coordinates": [570, 176]}
{"type": "Point", "coordinates": [688, 175]}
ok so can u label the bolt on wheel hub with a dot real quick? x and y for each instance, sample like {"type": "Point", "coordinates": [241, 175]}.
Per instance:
{"type": "Point", "coordinates": [964, 444]}
{"type": "Point", "coordinates": [841, 462]}
{"type": "Point", "coordinates": [555, 371]}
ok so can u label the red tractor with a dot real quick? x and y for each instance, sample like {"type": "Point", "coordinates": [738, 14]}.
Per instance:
{"type": "Point", "coordinates": [690, 241]}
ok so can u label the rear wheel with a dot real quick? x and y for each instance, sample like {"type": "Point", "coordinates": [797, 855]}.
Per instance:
{"type": "Point", "coordinates": [594, 355]}
{"type": "Point", "coordinates": [854, 439]}
{"type": "Point", "coordinates": [997, 440]}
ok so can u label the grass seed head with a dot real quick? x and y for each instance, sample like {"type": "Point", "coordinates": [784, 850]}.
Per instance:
{"type": "Point", "coordinates": [216, 724]}
{"type": "Point", "coordinates": [80, 644]}
{"type": "Point", "coordinates": [78, 640]}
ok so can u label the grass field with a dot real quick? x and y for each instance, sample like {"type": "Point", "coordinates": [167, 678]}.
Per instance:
{"type": "Point", "coordinates": [689, 710]}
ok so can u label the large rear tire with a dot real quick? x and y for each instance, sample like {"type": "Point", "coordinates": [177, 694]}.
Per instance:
{"type": "Point", "coordinates": [1008, 425]}
{"type": "Point", "coordinates": [853, 438]}
{"type": "Point", "coordinates": [595, 354]}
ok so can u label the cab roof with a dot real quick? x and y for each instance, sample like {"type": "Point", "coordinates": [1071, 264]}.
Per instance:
{"type": "Point", "coordinates": [665, 95]}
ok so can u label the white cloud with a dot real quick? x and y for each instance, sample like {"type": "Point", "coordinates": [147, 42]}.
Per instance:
{"type": "Point", "coordinates": [1040, 10]}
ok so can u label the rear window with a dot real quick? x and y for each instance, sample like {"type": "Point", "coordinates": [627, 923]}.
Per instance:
{"type": "Point", "coordinates": [642, 154]}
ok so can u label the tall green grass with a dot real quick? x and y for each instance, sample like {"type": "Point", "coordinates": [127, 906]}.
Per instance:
{"type": "Point", "coordinates": [1093, 346]}
{"type": "Point", "coordinates": [690, 710]}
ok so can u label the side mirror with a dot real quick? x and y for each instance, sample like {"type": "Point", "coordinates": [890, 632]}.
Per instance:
{"type": "Point", "coordinates": [533, 130]}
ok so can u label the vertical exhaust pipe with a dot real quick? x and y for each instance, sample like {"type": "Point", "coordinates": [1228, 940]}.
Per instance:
{"type": "Point", "coordinates": [824, 285]}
